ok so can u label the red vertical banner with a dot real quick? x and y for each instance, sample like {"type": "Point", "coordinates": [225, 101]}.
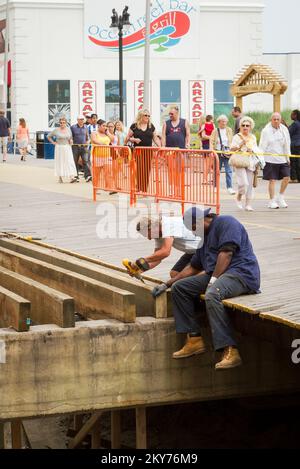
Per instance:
{"type": "Point", "coordinates": [197, 100]}
{"type": "Point", "coordinates": [87, 97]}
{"type": "Point", "coordinates": [139, 96]}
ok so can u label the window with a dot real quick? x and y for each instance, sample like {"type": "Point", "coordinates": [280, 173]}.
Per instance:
{"type": "Point", "coordinates": [112, 100]}
{"type": "Point", "coordinates": [170, 94]}
{"type": "Point", "coordinates": [223, 100]}
{"type": "Point", "coordinates": [58, 101]}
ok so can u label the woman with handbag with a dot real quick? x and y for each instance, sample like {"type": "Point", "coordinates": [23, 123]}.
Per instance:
{"type": "Point", "coordinates": [220, 140]}
{"type": "Point", "coordinates": [244, 164]}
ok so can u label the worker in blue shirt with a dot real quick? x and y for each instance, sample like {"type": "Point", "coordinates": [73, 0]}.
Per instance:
{"type": "Point", "coordinates": [224, 267]}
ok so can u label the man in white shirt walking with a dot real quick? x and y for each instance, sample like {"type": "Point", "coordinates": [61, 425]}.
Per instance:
{"type": "Point", "coordinates": [275, 139]}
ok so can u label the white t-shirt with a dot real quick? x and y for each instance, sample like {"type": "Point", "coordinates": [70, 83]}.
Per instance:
{"type": "Point", "coordinates": [275, 141]}
{"type": "Point", "coordinates": [224, 139]}
{"type": "Point", "coordinates": [184, 239]}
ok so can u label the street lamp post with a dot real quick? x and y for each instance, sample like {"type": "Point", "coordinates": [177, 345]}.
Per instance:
{"type": "Point", "coordinates": [120, 22]}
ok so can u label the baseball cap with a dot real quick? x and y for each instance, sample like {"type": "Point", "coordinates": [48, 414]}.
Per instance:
{"type": "Point", "coordinates": [194, 215]}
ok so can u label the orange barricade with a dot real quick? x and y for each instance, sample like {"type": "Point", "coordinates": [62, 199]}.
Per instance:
{"type": "Point", "coordinates": [111, 169]}
{"type": "Point", "coordinates": [171, 174]}
{"type": "Point", "coordinates": [185, 176]}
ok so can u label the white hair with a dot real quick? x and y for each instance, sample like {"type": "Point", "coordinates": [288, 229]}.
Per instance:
{"type": "Point", "coordinates": [222, 117]}
{"type": "Point", "coordinates": [247, 119]}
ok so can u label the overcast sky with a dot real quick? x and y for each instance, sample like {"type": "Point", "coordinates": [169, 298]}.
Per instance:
{"type": "Point", "coordinates": [282, 26]}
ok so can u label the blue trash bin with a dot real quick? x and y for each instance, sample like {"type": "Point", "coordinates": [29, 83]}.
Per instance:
{"type": "Point", "coordinates": [48, 148]}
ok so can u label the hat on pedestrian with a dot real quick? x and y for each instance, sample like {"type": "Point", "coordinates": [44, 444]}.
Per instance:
{"type": "Point", "coordinates": [194, 215]}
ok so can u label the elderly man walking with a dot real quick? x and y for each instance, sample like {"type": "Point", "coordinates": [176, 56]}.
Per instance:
{"type": "Point", "coordinates": [275, 139]}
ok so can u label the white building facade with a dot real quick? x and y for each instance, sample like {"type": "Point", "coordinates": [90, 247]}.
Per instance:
{"type": "Point", "coordinates": [57, 69]}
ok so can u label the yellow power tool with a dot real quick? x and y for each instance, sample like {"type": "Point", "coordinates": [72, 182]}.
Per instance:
{"type": "Point", "coordinates": [133, 269]}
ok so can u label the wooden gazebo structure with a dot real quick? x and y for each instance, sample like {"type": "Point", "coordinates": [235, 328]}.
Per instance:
{"type": "Point", "coordinates": [258, 78]}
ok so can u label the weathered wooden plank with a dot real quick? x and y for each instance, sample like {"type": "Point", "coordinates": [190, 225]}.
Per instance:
{"type": "Point", "coordinates": [92, 298]}
{"type": "Point", "coordinates": [86, 428]}
{"type": "Point", "coordinates": [141, 428]}
{"type": "Point", "coordinates": [16, 434]}
{"type": "Point", "coordinates": [115, 429]}
{"type": "Point", "coordinates": [14, 310]}
{"type": "Point", "coordinates": [48, 306]}
{"type": "Point", "coordinates": [146, 305]}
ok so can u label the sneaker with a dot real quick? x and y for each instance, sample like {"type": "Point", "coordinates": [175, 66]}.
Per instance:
{"type": "Point", "coordinates": [89, 178]}
{"type": "Point", "coordinates": [239, 204]}
{"type": "Point", "coordinates": [281, 202]}
{"type": "Point", "coordinates": [231, 191]}
{"type": "Point", "coordinates": [248, 208]}
{"type": "Point", "coordinates": [273, 204]}
{"type": "Point", "coordinates": [75, 179]}
{"type": "Point", "coordinates": [193, 346]}
{"type": "Point", "coordinates": [230, 359]}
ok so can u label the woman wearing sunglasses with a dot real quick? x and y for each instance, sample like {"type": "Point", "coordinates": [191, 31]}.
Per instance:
{"type": "Point", "coordinates": [245, 143]}
{"type": "Point", "coordinates": [142, 134]}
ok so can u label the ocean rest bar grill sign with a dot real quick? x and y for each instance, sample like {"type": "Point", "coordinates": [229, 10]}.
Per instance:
{"type": "Point", "coordinates": [173, 30]}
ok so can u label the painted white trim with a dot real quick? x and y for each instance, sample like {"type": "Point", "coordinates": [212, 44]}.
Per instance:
{"type": "Point", "coordinates": [79, 5]}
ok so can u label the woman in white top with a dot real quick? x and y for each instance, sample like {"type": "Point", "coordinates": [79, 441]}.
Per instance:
{"type": "Point", "coordinates": [64, 166]}
{"type": "Point", "coordinates": [244, 142]}
{"type": "Point", "coordinates": [220, 140]}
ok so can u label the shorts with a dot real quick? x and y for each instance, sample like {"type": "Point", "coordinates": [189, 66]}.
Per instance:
{"type": "Point", "coordinates": [182, 262]}
{"type": "Point", "coordinates": [276, 171]}
{"type": "Point", "coordinates": [3, 142]}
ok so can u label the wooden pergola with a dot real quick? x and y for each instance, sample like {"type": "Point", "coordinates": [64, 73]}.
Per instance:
{"type": "Point", "coordinates": [258, 78]}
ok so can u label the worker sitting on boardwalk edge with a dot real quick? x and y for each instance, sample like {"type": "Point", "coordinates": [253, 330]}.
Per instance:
{"type": "Point", "coordinates": [224, 267]}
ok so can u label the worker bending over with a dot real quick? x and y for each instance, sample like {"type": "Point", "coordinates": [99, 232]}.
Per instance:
{"type": "Point", "coordinates": [168, 232]}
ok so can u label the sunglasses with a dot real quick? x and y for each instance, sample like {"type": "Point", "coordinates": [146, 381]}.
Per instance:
{"type": "Point", "coordinates": [146, 115]}
{"type": "Point", "coordinates": [245, 125]}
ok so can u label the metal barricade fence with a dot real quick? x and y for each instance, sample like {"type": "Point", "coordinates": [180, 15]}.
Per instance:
{"type": "Point", "coordinates": [170, 174]}
{"type": "Point", "coordinates": [111, 169]}
{"type": "Point", "coordinates": [185, 176]}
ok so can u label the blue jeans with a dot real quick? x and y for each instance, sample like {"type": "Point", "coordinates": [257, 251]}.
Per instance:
{"type": "Point", "coordinates": [228, 171]}
{"type": "Point", "coordinates": [184, 293]}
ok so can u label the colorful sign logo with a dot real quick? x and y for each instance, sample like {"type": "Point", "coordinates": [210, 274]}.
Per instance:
{"type": "Point", "coordinates": [166, 31]}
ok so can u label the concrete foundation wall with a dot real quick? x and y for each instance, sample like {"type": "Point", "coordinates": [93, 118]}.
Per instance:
{"type": "Point", "coordinates": [106, 364]}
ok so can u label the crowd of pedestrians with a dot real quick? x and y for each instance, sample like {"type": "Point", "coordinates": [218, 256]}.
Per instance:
{"type": "Point", "coordinates": [238, 151]}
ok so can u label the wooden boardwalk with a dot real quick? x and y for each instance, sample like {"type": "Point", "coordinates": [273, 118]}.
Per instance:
{"type": "Point", "coordinates": [70, 222]}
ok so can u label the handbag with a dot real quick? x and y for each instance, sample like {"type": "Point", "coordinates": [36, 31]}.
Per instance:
{"type": "Point", "coordinates": [239, 161]}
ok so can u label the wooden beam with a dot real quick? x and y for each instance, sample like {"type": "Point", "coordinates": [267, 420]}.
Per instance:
{"type": "Point", "coordinates": [92, 298]}
{"type": "Point", "coordinates": [48, 306]}
{"type": "Point", "coordinates": [146, 305]}
{"type": "Point", "coordinates": [14, 310]}
{"type": "Point", "coordinates": [77, 422]}
{"type": "Point", "coordinates": [16, 434]}
{"type": "Point", "coordinates": [96, 435]}
{"type": "Point", "coordinates": [2, 443]}
{"type": "Point", "coordinates": [87, 427]}
{"type": "Point", "coordinates": [141, 427]}
{"type": "Point", "coordinates": [276, 103]}
{"type": "Point", "coordinates": [115, 429]}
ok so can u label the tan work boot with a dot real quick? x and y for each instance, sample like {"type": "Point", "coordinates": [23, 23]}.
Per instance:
{"type": "Point", "coordinates": [193, 346]}
{"type": "Point", "coordinates": [230, 359]}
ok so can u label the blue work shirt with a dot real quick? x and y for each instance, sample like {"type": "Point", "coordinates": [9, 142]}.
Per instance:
{"type": "Point", "coordinates": [223, 230]}
{"type": "Point", "coordinates": [79, 134]}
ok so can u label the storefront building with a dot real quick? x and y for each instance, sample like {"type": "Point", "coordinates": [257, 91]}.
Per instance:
{"type": "Point", "coordinates": [64, 57]}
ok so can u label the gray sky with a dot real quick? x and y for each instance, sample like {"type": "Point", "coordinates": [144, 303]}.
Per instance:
{"type": "Point", "coordinates": [281, 26]}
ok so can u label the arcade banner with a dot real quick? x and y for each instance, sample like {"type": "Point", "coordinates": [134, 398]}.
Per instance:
{"type": "Point", "coordinates": [174, 29]}
{"type": "Point", "coordinates": [197, 100]}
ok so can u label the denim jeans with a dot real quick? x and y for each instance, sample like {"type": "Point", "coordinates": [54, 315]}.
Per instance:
{"type": "Point", "coordinates": [78, 151]}
{"type": "Point", "coordinates": [228, 171]}
{"type": "Point", "coordinates": [184, 293]}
